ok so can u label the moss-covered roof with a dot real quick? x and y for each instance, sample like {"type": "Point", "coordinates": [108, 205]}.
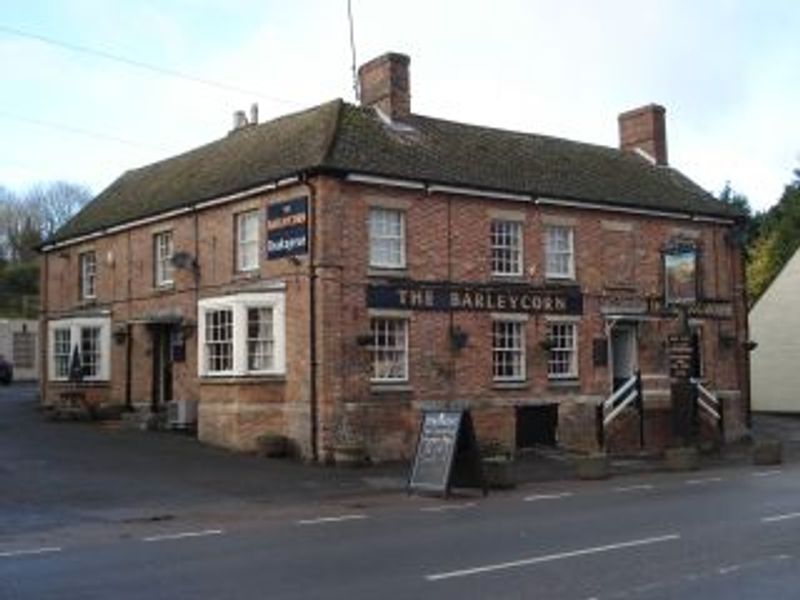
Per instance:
{"type": "Point", "coordinates": [339, 137]}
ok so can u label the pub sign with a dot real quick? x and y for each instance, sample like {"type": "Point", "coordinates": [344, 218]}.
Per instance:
{"type": "Point", "coordinates": [476, 297]}
{"type": "Point", "coordinates": [287, 228]}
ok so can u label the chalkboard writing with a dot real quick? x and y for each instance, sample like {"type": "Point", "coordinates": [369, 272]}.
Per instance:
{"type": "Point", "coordinates": [447, 453]}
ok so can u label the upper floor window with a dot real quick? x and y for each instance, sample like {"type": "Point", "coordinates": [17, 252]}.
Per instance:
{"type": "Point", "coordinates": [387, 244]}
{"type": "Point", "coordinates": [242, 335]}
{"type": "Point", "coordinates": [87, 337]}
{"type": "Point", "coordinates": [559, 252]}
{"type": "Point", "coordinates": [162, 258]}
{"type": "Point", "coordinates": [389, 349]}
{"type": "Point", "coordinates": [87, 265]}
{"type": "Point", "coordinates": [247, 241]}
{"type": "Point", "coordinates": [563, 362]}
{"type": "Point", "coordinates": [506, 241]}
{"type": "Point", "coordinates": [508, 350]}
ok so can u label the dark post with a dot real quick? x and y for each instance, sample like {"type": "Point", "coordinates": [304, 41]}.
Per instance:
{"type": "Point", "coordinates": [682, 390]}
{"type": "Point", "coordinates": [640, 407]}
{"type": "Point", "coordinates": [600, 429]}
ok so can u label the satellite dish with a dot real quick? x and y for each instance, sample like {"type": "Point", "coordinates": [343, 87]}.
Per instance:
{"type": "Point", "coordinates": [183, 260]}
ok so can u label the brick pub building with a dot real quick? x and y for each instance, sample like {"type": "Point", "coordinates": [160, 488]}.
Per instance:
{"type": "Point", "coordinates": [354, 265]}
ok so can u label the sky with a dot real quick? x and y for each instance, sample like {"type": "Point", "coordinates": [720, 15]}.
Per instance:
{"type": "Point", "coordinates": [91, 88]}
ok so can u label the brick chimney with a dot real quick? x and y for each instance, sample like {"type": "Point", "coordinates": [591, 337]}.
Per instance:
{"type": "Point", "coordinates": [644, 128]}
{"type": "Point", "coordinates": [384, 84]}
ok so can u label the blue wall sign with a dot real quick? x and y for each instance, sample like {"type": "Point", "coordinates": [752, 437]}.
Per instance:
{"type": "Point", "coordinates": [287, 228]}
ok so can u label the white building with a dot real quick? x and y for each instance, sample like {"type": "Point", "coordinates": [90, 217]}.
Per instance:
{"type": "Point", "coordinates": [775, 327]}
{"type": "Point", "coordinates": [19, 343]}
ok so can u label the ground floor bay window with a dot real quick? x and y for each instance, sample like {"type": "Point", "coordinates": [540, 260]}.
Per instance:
{"type": "Point", "coordinates": [242, 335]}
{"type": "Point", "coordinates": [88, 339]}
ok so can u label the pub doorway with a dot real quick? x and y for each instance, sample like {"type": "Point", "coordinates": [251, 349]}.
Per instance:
{"type": "Point", "coordinates": [162, 365]}
{"type": "Point", "coordinates": [624, 358]}
{"type": "Point", "coordinates": [537, 426]}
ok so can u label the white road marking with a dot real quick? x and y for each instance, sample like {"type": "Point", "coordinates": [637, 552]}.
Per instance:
{"type": "Point", "coordinates": [538, 497]}
{"type": "Point", "coordinates": [339, 519]}
{"type": "Point", "coordinates": [785, 517]}
{"type": "Point", "coordinates": [634, 488]}
{"type": "Point", "coordinates": [446, 507]}
{"type": "Point", "coordinates": [767, 473]}
{"type": "Point", "coordinates": [703, 481]}
{"type": "Point", "coordinates": [32, 551]}
{"type": "Point", "coordinates": [182, 535]}
{"type": "Point", "coordinates": [552, 557]}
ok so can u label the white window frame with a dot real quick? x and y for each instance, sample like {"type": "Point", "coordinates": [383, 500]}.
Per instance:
{"type": "Point", "coordinates": [572, 349]}
{"type": "Point", "coordinates": [506, 242]}
{"type": "Point", "coordinates": [521, 350]}
{"type": "Point", "coordinates": [375, 349]}
{"type": "Point", "coordinates": [88, 274]}
{"type": "Point", "coordinates": [552, 252]}
{"type": "Point", "coordinates": [379, 215]}
{"type": "Point", "coordinates": [163, 249]}
{"type": "Point", "coordinates": [247, 248]}
{"type": "Point", "coordinates": [238, 304]}
{"type": "Point", "coordinates": [75, 326]}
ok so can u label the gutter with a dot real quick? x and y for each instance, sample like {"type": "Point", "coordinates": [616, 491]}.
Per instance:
{"type": "Point", "coordinates": [197, 206]}
{"type": "Point", "coordinates": [312, 321]}
{"type": "Point", "coordinates": [434, 188]}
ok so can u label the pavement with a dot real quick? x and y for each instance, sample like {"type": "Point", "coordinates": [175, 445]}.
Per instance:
{"type": "Point", "coordinates": [56, 476]}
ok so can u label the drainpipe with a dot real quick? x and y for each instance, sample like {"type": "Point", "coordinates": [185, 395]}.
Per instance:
{"type": "Point", "coordinates": [312, 320]}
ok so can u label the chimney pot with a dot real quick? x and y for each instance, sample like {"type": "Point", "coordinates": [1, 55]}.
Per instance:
{"type": "Point", "coordinates": [644, 129]}
{"type": "Point", "coordinates": [384, 84]}
{"type": "Point", "coordinates": [239, 119]}
{"type": "Point", "coordinates": [254, 113]}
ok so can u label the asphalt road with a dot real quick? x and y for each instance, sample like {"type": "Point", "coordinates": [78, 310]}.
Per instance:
{"type": "Point", "coordinates": [733, 533]}
{"type": "Point", "coordinates": [89, 513]}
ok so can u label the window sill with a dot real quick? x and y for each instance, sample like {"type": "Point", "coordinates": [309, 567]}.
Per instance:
{"type": "Point", "coordinates": [165, 288]}
{"type": "Point", "coordinates": [390, 388]}
{"type": "Point", "coordinates": [82, 384]}
{"type": "Point", "coordinates": [511, 385]}
{"type": "Point", "coordinates": [248, 275]}
{"type": "Point", "coordinates": [241, 379]}
{"type": "Point", "coordinates": [554, 280]}
{"type": "Point", "coordinates": [399, 272]}
{"type": "Point", "coordinates": [509, 278]}
{"type": "Point", "coordinates": [561, 384]}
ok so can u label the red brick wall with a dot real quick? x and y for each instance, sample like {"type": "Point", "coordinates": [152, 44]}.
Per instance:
{"type": "Point", "coordinates": [447, 238]}
{"type": "Point", "coordinates": [612, 250]}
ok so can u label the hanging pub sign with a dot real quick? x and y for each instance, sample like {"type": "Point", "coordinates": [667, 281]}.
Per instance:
{"type": "Point", "coordinates": [476, 297]}
{"type": "Point", "coordinates": [287, 228]}
{"type": "Point", "coordinates": [447, 454]}
{"type": "Point", "coordinates": [680, 275]}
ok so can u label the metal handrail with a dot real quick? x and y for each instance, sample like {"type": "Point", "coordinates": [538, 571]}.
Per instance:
{"type": "Point", "coordinates": [612, 399]}
{"type": "Point", "coordinates": [708, 401]}
{"type": "Point", "coordinates": [609, 409]}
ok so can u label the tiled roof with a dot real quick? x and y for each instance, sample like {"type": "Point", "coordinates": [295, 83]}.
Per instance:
{"type": "Point", "coordinates": [339, 137]}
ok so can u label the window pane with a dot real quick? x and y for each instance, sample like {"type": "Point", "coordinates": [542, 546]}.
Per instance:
{"type": "Point", "coordinates": [260, 339]}
{"type": "Point", "coordinates": [563, 361]}
{"type": "Point", "coordinates": [88, 271]}
{"type": "Point", "coordinates": [219, 340]}
{"type": "Point", "coordinates": [386, 237]}
{"type": "Point", "coordinates": [162, 258]}
{"type": "Point", "coordinates": [247, 246]}
{"type": "Point", "coordinates": [62, 346]}
{"type": "Point", "coordinates": [90, 351]}
{"type": "Point", "coordinates": [559, 252]}
{"type": "Point", "coordinates": [506, 245]}
{"type": "Point", "coordinates": [508, 351]}
{"type": "Point", "coordinates": [389, 354]}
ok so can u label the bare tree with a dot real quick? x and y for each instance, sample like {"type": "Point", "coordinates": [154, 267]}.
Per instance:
{"type": "Point", "coordinates": [54, 203]}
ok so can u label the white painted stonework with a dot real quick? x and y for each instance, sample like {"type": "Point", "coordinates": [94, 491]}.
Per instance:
{"type": "Point", "coordinates": [775, 326]}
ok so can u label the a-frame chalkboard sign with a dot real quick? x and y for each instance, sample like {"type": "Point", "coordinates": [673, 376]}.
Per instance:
{"type": "Point", "coordinates": [447, 454]}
